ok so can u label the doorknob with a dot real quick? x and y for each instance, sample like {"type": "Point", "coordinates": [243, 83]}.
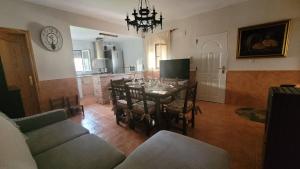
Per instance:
{"type": "Point", "coordinates": [223, 68]}
{"type": "Point", "coordinates": [30, 80]}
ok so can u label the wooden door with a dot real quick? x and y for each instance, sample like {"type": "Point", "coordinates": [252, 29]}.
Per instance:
{"type": "Point", "coordinates": [19, 68]}
{"type": "Point", "coordinates": [211, 61]}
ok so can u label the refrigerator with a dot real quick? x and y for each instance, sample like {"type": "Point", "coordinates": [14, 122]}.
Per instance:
{"type": "Point", "coordinates": [114, 61]}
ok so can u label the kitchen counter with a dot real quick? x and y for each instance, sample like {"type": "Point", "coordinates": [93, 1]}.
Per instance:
{"type": "Point", "coordinates": [107, 74]}
{"type": "Point", "coordinates": [98, 85]}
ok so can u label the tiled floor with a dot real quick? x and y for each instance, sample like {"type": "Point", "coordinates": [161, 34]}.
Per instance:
{"type": "Point", "coordinates": [218, 125]}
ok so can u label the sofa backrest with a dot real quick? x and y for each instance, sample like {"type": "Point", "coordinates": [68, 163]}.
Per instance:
{"type": "Point", "coordinates": [14, 152]}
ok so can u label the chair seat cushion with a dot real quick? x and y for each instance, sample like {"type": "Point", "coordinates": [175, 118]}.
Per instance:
{"type": "Point", "coordinates": [171, 150]}
{"type": "Point", "coordinates": [166, 100]}
{"type": "Point", "coordinates": [53, 135]}
{"type": "Point", "coordinates": [139, 107]}
{"type": "Point", "coordinates": [85, 152]}
{"type": "Point", "coordinates": [177, 106]}
{"type": "Point", "coordinates": [123, 103]}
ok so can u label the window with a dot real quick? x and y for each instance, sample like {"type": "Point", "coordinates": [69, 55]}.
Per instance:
{"type": "Point", "coordinates": [82, 60]}
{"type": "Point", "coordinates": [160, 53]}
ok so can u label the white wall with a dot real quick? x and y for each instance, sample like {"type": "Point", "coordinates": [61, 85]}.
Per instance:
{"type": "Point", "coordinates": [228, 20]}
{"type": "Point", "coordinates": [50, 65]}
{"type": "Point", "coordinates": [133, 52]}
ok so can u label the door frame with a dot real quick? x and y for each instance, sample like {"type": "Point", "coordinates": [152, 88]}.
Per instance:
{"type": "Point", "coordinates": [29, 48]}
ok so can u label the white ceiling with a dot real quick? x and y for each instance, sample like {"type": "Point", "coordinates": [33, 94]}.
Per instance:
{"type": "Point", "coordinates": [79, 33]}
{"type": "Point", "coordinates": [115, 10]}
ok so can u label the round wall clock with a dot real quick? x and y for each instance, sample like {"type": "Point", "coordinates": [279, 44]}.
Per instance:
{"type": "Point", "coordinates": [51, 38]}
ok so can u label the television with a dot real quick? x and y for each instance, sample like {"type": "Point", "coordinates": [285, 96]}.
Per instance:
{"type": "Point", "coordinates": [175, 69]}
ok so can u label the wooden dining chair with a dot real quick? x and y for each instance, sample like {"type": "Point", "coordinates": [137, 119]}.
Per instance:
{"type": "Point", "coordinates": [142, 110]}
{"type": "Point", "coordinates": [183, 109]}
{"type": "Point", "coordinates": [74, 105]}
{"type": "Point", "coordinates": [117, 82]}
{"type": "Point", "coordinates": [58, 103]}
{"type": "Point", "coordinates": [119, 102]}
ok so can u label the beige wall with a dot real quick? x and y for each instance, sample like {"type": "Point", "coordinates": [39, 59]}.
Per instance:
{"type": "Point", "coordinates": [50, 65]}
{"type": "Point", "coordinates": [228, 20]}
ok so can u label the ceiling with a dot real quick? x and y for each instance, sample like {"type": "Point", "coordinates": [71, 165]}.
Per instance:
{"type": "Point", "coordinates": [116, 10]}
{"type": "Point", "coordinates": [79, 33]}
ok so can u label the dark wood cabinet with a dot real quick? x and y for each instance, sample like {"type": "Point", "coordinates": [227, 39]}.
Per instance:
{"type": "Point", "coordinates": [282, 136]}
{"type": "Point", "coordinates": [10, 98]}
{"type": "Point", "coordinates": [3, 86]}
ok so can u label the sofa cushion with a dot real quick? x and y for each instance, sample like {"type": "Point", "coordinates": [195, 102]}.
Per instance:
{"type": "Point", "coordinates": [53, 135]}
{"type": "Point", "coordinates": [85, 152]}
{"type": "Point", "coordinates": [9, 119]}
{"type": "Point", "coordinates": [171, 150]}
{"type": "Point", "coordinates": [40, 120]}
{"type": "Point", "coordinates": [14, 152]}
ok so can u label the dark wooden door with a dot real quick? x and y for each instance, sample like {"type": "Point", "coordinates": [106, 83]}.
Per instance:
{"type": "Point", "coordinates": [18, 67]}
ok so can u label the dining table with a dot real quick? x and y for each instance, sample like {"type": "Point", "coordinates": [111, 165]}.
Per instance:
{"type": "Point", "coordinates": [158, 92]}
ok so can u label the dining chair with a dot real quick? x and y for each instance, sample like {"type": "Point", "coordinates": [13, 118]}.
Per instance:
{"type": "Point", "coordinates": [183, 109]}
{"type": "Point", "coordinates": [74, 105]}
{"type": "Point", "coordinates": [117, 82]}
{"type": "Point", "coordinates": [142, 110]}
{"type": "Point", "coordinates": [119, 102]}
{"type": "Point", "coordinates": [58, 103]}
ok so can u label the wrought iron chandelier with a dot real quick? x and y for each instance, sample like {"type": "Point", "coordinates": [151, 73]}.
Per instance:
{"type": "Point", "coordinates": [144, 19]}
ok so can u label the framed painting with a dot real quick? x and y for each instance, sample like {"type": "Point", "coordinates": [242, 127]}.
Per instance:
{"type": "Point", "coordinates": [265, 40]}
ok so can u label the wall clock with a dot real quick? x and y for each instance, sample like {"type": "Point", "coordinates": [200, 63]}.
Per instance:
{"type": "Point", "coordinates": [51, 38]}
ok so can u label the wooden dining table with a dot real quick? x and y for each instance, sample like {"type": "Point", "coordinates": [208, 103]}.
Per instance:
{"type": "Point", "coordinates": [157, 94]}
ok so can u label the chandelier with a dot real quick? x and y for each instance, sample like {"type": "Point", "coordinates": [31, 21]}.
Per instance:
{"type": "Point", "coordinates": [144, 19]}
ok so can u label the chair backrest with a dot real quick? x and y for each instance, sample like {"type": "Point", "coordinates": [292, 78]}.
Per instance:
{"type": "Point", "coordinates": [136, 93]}
{"type": "Point", "coordinates": [127, 80]}
{"type": "Point", "coordinates": [118, 91]}
{"type": "Point", "coordinates": [72, 100]}
{"type": "Point", "coordinates": [58, 103]}
{"type": "Point", "coordinates": [117, 82]}
{"type": "Point", "coordinates": [190, 95]}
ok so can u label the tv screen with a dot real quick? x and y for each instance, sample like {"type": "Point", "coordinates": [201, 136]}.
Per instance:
{"type": "Point", "coordinates": [176, 68]}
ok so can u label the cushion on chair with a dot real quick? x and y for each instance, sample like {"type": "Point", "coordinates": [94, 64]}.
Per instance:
{"type": "Point", "coordinates": [53, 135]}
{"type": "Point", "coordinates": [123, 103]}
{"type": "Point", "coordinates": [14, 152]}
{"type": "Point", "coordinates": [177, 106]}
{"type": "Point", "coordinates": [168, 150]}
{"type": "Point", "coordinates": [85, 152]}
{"type": "Point", "coordinates": [166, 100]}
{"type": "Point", "coordinates": [139, 107]}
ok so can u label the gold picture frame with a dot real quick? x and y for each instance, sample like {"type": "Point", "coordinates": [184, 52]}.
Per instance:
{"type": "Point", "coordinates": [263, 41]}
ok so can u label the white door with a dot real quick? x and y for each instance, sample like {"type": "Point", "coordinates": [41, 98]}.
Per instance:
{"type": "Point", "coordinates": [211, 62]}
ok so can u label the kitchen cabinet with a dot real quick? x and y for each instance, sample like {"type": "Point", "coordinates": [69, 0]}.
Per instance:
{"type": "Point", "coordinates": [87, 86]}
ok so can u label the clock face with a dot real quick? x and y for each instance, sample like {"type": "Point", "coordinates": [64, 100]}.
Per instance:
{"type": "Point", "coordinates": [51, 38]}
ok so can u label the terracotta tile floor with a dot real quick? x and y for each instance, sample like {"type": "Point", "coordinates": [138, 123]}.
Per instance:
{"type": "Point", "coordinates": [218, 125]}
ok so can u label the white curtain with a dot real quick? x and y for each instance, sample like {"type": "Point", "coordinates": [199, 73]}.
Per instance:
{"type": "Point", "coordinates": [150, 41]}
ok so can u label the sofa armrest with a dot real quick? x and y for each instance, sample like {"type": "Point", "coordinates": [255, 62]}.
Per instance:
{"type": "Point", "coordinates": [40, 120]}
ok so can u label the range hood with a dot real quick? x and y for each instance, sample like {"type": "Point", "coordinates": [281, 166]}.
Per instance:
{"type": "Point", "coordinates": [99, 48]}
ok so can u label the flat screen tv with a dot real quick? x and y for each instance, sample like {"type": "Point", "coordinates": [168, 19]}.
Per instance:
{"type": "Point", "coordinates": [175, 69]}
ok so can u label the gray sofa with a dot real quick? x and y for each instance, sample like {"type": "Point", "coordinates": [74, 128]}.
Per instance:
{"type": "Point", "coordinates": [168, 150]}
{"type": "Point", "coordinates": [54, 142]}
